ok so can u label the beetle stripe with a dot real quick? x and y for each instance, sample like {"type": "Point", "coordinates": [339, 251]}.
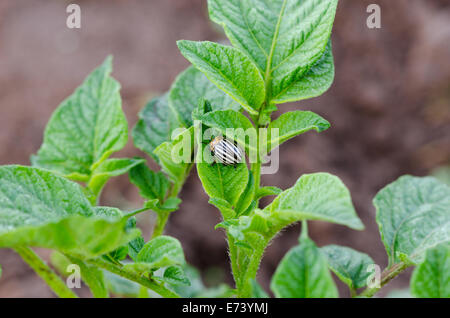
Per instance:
{"type": "Point", "coordinates": [226, 152]}
{"type": "Point", "coordinates": [233, 149]}
{"type": "Point", "coordinates": [224, 155]}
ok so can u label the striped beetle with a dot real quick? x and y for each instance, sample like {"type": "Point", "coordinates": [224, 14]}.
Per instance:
{"type": "Point", "coordinates": [225, 151]}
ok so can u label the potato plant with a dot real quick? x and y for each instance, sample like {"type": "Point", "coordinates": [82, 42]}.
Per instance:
{"type": "Point", "coordinates": [280, 52]}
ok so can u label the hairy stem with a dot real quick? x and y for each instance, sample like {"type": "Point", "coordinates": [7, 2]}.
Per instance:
{"type": "Point", "coordinates": [45, 272]}
{"type": "Point", "coordinates": [232, 250]}
{"type": "Point", "coordinates": [386, 277]}
{"type": "Point", "coordinates": [118, 270]}
{"type": "Point", "coordinates": [244, 289]}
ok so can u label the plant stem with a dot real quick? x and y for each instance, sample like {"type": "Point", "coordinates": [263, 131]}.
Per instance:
{"type": "Point", "coordinates": [161, 290]}
{"type": "Point", "coordinates": [256, 172]}
{"type": "Point", "coordinates": [161, 221]}
{"type": "Point", "coordinates": [386, 277]}
{"type": "Point", "coordinates": [304, 229]}
{"type": "Point", "coordinates": [244, 289]}
{"type": "Point", "coordinates": [45, 272]}
{"type": "Point", "coordinates": [232, 250]}
{"type": "Point", "coordinates": [162, 217]}
{"type": "Point", "coordinates": [133, 213]}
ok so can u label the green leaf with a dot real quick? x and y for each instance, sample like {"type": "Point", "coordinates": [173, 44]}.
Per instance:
{"type": "Point", "coordinates": [108, 213]}
{"type": "Point", "coordinates": [315, 82]}
{"type": "Point", "coordinates": [431, 279]}
{"type": "Point", "coordinates": [196, 285]}
{"type": "Point", "coordinates": [152, 185]}
{"type": "Point", "coordinates": [229, 69]}
{"type": "Point", "coordinates": [155, 125]}
{"type": "Point", "coordinates": [197, 289]}
{"type": "Point", "coordinates": [265, 191]}
{"type": "Point", "coordinates": [233, 125]}
{"type": "Point", "coordinates": [170, 205]}
{"type": "Point", "coordinates": [92, 276]}
{"type": "Point", "coordinates": [116, 167]}
{"type": "Point", "coordinates": [413, 214]}
{"type": "Point", "coordinates": [38, 208]}
{"type": "Point", "coordinates": [348, 264]}
{"type": "Point", "coordinates": [86, 128]}
{"type": "Point", "coordinates": [224, 206]}
{"type": "Point", "coordinates": [291, 124]}
{"type": "Point", "coordinates": [203, 107]}
{"type": "Point", "coordinates": [247, 196]}
{"type": "Point", "coordinates": [303, 273]}
{"type": "Point", "coordinates": [120, 253]}
{"type": "Point", "coordinates": [223, 182]}
{"type": "Point", "coordinates": [317, 196]}
{"type": "Point", "coordinates": [174, 275]}
{"type": "Point", "coordinates": [120, 286]}
{"type": "Point", "coordinates": [136, 245]}
{"type": "Point", "coordinates": [284, 38]}
{"type": "Point", "coordinates": [110, 168]}
{"type": "Point", "coordinates": [189, 87]}
{"type": "Point", "coordinates": [162, 115]}
{"type": "Point", "coordinates": [159, 252]}
{"type": "Point", "coordinates": [60, 263]}
{"type": "Point", "coordinates": [257, 290]}
{"type": "Point", "coordinates": [175, 157]}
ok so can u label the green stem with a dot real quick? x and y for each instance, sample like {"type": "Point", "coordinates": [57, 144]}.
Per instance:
{"type": "Point", "coordinates": [244, 289]}
{"type": "Point", "coordinates": [304, 234]}
{"type": "Point", "coordinates": [162, 216]}
{"type": "Point", "coordinates": [244, 286]}
{"type": "Point", "coordinates": [133, 213]}
{"type": "Point", "coordinates": [232, 250]}
{"type": "Point", "coordinates": [256, 172]}
{"type": "Point", "coordinates": [161, 290]}
{"type": "Point", "coordinates": [386, 277]}
{"type": "Point", "coordinates": [47, 274]}
{"type": "Point", "coordinates": [161, 221]}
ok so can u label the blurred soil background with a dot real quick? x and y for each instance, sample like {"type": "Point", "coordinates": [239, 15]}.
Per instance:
{"type": "Point", "coordinates": [389, 108]}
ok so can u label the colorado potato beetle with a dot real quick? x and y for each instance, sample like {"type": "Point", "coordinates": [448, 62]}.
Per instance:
{"type": "Point", "coordinates": [225, 152]}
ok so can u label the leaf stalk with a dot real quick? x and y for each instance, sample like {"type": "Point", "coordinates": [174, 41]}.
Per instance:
{"type": "Point", "coordinates": [46, 273]}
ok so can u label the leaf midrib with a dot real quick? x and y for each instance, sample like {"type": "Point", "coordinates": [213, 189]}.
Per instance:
{"type": "Point", "coordinates": [244, 102]}
{"type": "Point", "coordinates": [251, 32]}
{"type": "Point", "coordinates": [272, 48]}
{"type": "Point", "coordinates": [409, 216]}
{"type": "Point", "coordinates": [306, 38]}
